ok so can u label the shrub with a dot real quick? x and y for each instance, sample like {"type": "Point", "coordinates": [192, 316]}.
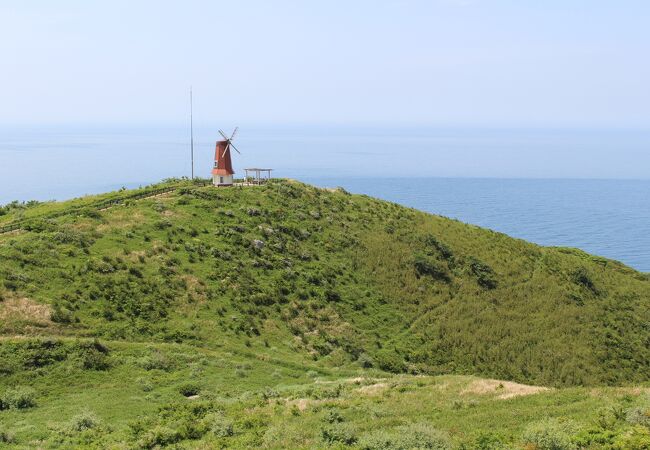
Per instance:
{"type": "Point", "coordinates": [18, 398]}
{"type": "Point", "coordinates": [61, 315]}
{"type": "Point", "coordinates": [327, 392]}
{"type": "Point", "coordinates": [581, 277]}
{"type": "Point", "coordinates": [433, 242]}
{"type": "Point", "coordinates": [414, 436]}
{"type": "Point", "coordinates": [332, 295]}
{"type": "Point", "coordinates": [484, 274]}
{"type": "Point", "coordinates": [162, 224]}
{"type": "Point", "coordinates": [86, 420]}
{"type": "Point", "coordinates": [145, 385]}
{"type": "Point", "coordinates": [6, 437]}
{"type": "Point", "coordinates": [426, 266]}
{"type": "Point", "coordinates": [71, 236]}
{"type": "Point", "coordinates": [334, 416]}
{"type": "Point", "coordinates": [390, 361]}
{"type": "Point", "coordinates": [638, 438]}
{"type": "Point", "coordinates": [488, 441]}
{"type": "Point", "coordinates": [339, 434]}
{"type": "Point", "coordinates": [218, 425]}
{"type": "Point", "coordinates": [135, 272]}
{"type": "Point", "coordinates": [90, 212]}
{"type": "Point", "coordinates": [159, 436]}
{"type": "Point", "coordinates": [157, 360]}
{"type": "Point", "coordinates": [550, 434]}
{"type": "Point", "coordinates": [93, 355]}
{"type": "Point", "coordinates": [638, 416]}
{"type": "Point", "coordinates": [365, 361]}
{"type": "Point", "coordinates": [270, 393]}
{"type": "Point", "coordinates": [189, 389]}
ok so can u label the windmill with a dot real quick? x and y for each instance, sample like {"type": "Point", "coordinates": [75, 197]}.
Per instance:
{"type": "Point", "coordinates": [222, 173]}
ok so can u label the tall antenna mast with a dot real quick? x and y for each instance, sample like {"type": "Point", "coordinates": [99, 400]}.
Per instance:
{"type": "Point", "coordinates": [191, 134]}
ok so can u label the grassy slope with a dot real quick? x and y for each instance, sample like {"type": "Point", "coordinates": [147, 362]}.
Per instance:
{"type": "Point", "coordinates": [176, 289]}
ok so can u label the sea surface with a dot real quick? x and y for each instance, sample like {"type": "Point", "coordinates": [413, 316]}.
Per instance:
{"type": "Point", "coordinates": [580, 188]}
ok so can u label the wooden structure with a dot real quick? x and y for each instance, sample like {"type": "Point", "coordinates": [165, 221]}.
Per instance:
{"type": "Point", "coordinates": [257, 177]}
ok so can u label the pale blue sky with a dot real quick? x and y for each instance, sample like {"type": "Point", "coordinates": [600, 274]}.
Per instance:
{"type": "Point", "coordinates": [551, 63]}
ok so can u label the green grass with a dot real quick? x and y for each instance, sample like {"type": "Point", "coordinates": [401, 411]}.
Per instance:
{"type": "Point", "coordinates": [238, 317]}
{"type": "Point", "coordinates": [275, 406]}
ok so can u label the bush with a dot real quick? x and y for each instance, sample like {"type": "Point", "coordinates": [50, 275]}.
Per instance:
{"type": "Point", "coordinates": [218, 425]}
{"type": "Point", "coordinates": [90, 212]}
{"type": "Point", "coordinates": [162, 224]}
{"type": "Point", "coordinates": [638, 416]}
{"type": "Point", "coordinates": [189, 389]}
{"type": "Point", "coordinates": [582, 278]}
{"type": "Point", "coordinates": [415, 436]}
{"type": "Point", "coordinates": [425, 265]}
{"type": "Point", "coordinates": [488, 441]}
{"type": "Point", "coordinates": [71, 236]}
{"type": "Point", "coordinates": [484, 274]}
{"type": "Point", "coordinates": [390, 361]}
{"type": "Point", "coordinates": [550, 434]}
{"type": "Point", "coordinates": [159, 436]}
{"type": "Point", "coordinates": [339, 434]}
{"type": "Point", "coordinates": [332, 295]}
{"type": "Point", "coordinates": [433, 242]}
{"type": "Point", "coordinates": [93, 355]}
{"type": "Point", "coordinates": [87, 420]}
{"type": "Point", "coordinates": [6, 437]}
{"type": "Point", "coordinates": [156, 361]}
{"type": "Point", "coordinates": [17, 398]}
{"type": "Point", "coordinates": [334, 416]}
{"type": "Point", "coordinates": [638, 438]}
{"type": "Point", "coordinates": [61, 315]}
{"type": "Point", "coordinates": [365, 361]}
{"type": "Point", "coordinates": [145, 385]}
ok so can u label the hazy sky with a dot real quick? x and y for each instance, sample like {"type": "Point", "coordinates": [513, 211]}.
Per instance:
{"type": "Point", "coordinates": [483, 62]}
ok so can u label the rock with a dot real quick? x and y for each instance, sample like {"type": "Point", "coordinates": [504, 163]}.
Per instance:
{"type": "Point", "coordinates": [258, 244]}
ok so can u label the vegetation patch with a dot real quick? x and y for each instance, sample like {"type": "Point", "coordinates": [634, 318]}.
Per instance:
{"type": "Point", "coordinates": [289, 316]}
{"type": "Point", "coordinates": [18, 398]}
{"type": "Point", "coordinates": [551, 434]}
{"type": "Point", "coordinates": [414, 436]}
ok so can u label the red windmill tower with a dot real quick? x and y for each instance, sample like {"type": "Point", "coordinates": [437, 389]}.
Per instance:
{"type": "Point", "coordinates": [222, 173]}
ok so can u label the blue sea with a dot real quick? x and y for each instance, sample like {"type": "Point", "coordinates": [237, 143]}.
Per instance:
{"type": "Point", "coordinates": [581, 188]}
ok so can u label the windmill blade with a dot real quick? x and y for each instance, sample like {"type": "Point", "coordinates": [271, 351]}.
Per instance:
{"type": "Point", "coordinates": [225, 149]}
{"type": "Point", "coordinates": [224, 135]}
{"type": "Point", "coordinates": [232, 145]}
{"type": "Point", "coordinates": [233, 134]}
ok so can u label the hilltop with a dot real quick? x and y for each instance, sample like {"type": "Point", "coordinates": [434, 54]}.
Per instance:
{"type": "Point", "coordinates": [293, 296]}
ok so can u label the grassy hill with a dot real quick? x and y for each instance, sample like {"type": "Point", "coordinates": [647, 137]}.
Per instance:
{"type": "Point", "coordinates": [286, 315]}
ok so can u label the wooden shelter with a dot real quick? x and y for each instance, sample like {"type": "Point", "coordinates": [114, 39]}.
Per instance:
{"type": "Point", "coordinates": [257, 177]}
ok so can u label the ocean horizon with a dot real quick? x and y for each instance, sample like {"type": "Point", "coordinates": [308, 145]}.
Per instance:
{"type": "Point", "coordinates": [597, 213]}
